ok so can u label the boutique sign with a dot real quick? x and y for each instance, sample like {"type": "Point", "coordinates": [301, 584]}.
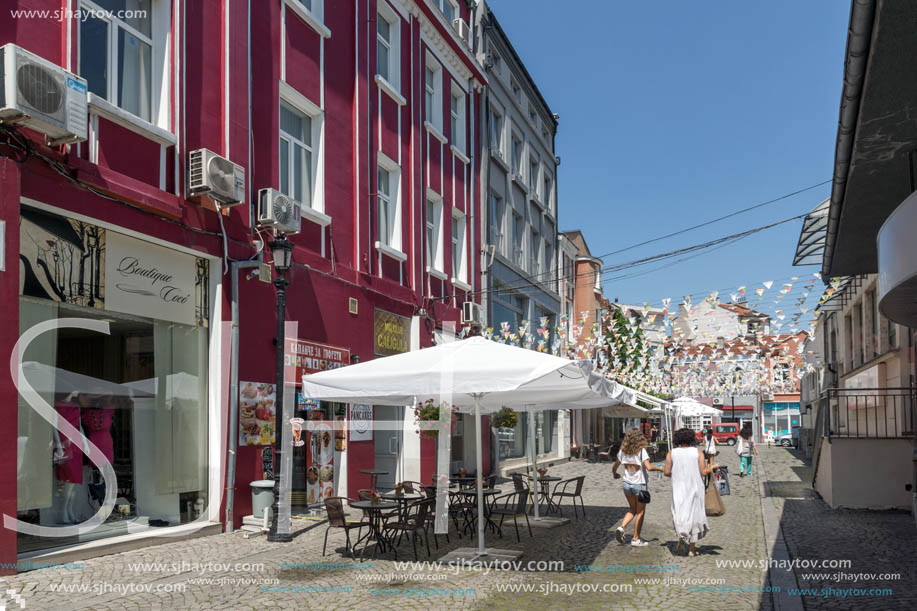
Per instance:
{"type": "Point", "coordinates": [149, 280]}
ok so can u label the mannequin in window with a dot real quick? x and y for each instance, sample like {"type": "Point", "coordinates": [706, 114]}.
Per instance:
{"type": "Point", "coordinates": [68, 456]}
{"type": "Point", "coordinates": [97, 419]}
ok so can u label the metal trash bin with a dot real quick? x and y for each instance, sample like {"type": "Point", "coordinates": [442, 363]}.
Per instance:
{"type": "Point", "coordinates": [262, 496]}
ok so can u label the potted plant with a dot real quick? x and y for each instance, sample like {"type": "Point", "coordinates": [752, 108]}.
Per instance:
{"type": "Point", "coordinates": [399, 489]}
{"type": "Point", "coordinates": [504, 419]}
{"type": "Point", "coordinates": [463, 472]}
{"type": "Point", "coordinates": [542, 471]}
{"type": "Point", "coordinates": [428, 411]}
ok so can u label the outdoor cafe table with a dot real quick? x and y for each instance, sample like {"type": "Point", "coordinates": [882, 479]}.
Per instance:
{"type": "Point", "coordinates": [373, 476]}
{"type": "Point", "coordinates": [472, 492]}
{"type": "Point", "coordinates": [375, 524]}
{"type": "Point", "coordinates": [403, 500]}
{"type": "Point", "coordinates": [546, 482]}
{"type": "Point", "coordinates": [464, 481]}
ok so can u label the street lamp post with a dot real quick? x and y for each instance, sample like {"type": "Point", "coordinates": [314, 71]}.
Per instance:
{"type": "Point", "coordinates": [282, 253]}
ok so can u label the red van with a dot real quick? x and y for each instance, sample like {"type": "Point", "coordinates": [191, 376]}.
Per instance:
{"type": "Point", "coordinates": [724, 432]}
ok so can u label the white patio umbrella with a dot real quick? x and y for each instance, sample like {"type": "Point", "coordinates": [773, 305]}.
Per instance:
{"type": "Point", "coordinates": [474, 375]}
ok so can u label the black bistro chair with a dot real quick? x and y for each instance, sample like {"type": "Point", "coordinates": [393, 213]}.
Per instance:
{"type": "Point", "coordinates": [511, 505]}
{"type": "Point", "coordinates": [570, 488]}
{"type": "Point", "coordinates": [414, 524]}
{"type": "Point", "coordinates": [334, 505]}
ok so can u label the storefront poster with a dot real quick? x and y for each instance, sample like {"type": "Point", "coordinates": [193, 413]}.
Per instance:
{"type": "Point", "coordinates": [320, 475]}
{"type": "Point", "coordinates": [391, 333]}
{"type": "Point", "coordinates": [256, 413]}
{"type": "Point", "coordinates": [361, 420]}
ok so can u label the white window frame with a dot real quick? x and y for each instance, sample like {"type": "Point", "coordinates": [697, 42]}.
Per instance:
{"type": "Point", "coordinates": [497, 131]}
{"type": "Point", "coordinates": [433, 116]}
{"type": "Point", "coordinates": [460, 274]}
{"type": "Point", "coordinates": [518, 229]}
{"type": "Point", "coordinates": [297, 101]}
{"type": "Point", "coordinates": [393, 246]}
{"type": "Point", "coordinates": [534, 251]}
{"type": "Point", "coordinates": [497, 219]}
{"type": "Point", "coordinates": [547, 187]}
{"type": "Point", "coordinates": [457, 117]}
{"type": "Point", "coordinates": [314, 17]}
{"type": "Point", "coordinates": [435, 267]}
{"type": "Point", "coordinates": [514, 137]}
{"type": "Point", "coordinates": [533, 180]}
{"type": "Point", "coordinates": [386, 13]}
{"type": "Point", "coordinates": [441, 5]}
{"type": "Point", "coordinates": [160, 62]}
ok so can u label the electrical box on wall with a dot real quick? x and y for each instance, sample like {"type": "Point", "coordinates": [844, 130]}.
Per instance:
{"type": "Point", "coordinates": [353, 306]}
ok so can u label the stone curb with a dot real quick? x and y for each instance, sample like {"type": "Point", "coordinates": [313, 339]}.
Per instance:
{"type": "Point", "coordinates": [774, 541]}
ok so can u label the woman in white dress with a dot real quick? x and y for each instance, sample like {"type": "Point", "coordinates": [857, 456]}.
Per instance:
{"type": "Point", "coordinates": [686, 466]}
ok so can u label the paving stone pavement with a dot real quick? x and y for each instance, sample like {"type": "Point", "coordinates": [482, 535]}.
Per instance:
{"type": "Point", "coordinates": [875, 542]}
{"type": "Point", "coordinates": [737, 536]}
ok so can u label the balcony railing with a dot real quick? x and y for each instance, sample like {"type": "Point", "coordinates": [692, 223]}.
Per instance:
{"type": "Point", "coordinates": [869, 413]}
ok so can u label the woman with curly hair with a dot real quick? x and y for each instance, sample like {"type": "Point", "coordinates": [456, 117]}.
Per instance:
{"type": "Point", "coordinates": [636, 463]}
{"type": "Point", "coordinates": [686, 466]}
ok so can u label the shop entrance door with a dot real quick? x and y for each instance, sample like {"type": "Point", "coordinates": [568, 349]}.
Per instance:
{"type": "Point", "coordinates": [388, 443]}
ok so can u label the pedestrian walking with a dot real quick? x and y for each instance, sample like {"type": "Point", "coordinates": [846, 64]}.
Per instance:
{"type": "Point", "coordinates": [636, 461]}
{"type": "Point", "coordinates": [746, 448]}
{"type": "Point", "coordinates": [710, 450]}
{"type": "Point", "coordinates": [686, 466]}
{"type": "Point", "coordinates": [654, 434]}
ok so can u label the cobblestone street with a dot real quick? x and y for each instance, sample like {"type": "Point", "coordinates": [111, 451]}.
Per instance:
{"type": "Point", "coordinates": [875, 542]}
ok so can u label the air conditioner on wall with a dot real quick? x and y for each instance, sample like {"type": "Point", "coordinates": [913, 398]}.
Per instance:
{"type": "Point", "coordinates": [462, 29]}
{"type": "Point", "coordinates": [717, 401]}
{"type": "Point", "coordinates": [216, 177]}
{"type": "Point", "coordinates": [40, 95]}
{"type": "Point", "coordinates": [279, 212]}
{"type": "Point", "coordinates": [472, 314]}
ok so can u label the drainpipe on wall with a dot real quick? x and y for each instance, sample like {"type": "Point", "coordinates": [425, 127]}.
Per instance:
{"type": "Point", "coordinates": [235, 266]}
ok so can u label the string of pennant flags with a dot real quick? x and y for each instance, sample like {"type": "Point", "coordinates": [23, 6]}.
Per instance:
{"type": "Point", "coordinates": [658, 351]}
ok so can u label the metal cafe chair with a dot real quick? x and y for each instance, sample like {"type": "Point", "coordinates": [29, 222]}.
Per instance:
{"type": "Point", "coordinates": [513, 504]}
{"type": "Point", "coordinates": [334, 506]}
{"type": "Point", "coordinates": [562, 491]}
{"type": "Point", "coordinates": [414, 523]}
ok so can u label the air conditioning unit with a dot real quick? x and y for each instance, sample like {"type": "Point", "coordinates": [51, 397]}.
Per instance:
{"type": "Point", "coordinates": [462, 29]}
{"type": "Point", "coordinates": [768, 397]}
{"type": "Point", "coordinates": [216, 177]}
{"type": "Point", "coordinates": [472, 314]}
{"type": "Point", "coordinates": [279, 212]}
{"type": "Point", "coordinates": [717, 401]}
{"type": "Point", "coordinates": [40, 95]}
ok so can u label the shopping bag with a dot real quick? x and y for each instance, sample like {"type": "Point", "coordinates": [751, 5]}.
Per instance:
{"type": "Point", "coordinates": [713, 504]}
{"type": "Point", "coordinates": [722, 481]}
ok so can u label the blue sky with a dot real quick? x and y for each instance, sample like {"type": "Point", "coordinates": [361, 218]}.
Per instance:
{"type": "Point", "coordinates": [674, 113]}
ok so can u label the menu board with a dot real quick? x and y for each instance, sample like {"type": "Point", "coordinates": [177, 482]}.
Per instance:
{"type": "Point", "coordinates": [319, 436]}
{"type": "Point", "coordinates": [256, 413]}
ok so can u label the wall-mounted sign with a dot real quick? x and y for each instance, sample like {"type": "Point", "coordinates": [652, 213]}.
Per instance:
{"type": "Point", "coordinates": [149, 280]}
{"type": "Point", "coordinates": [361, 421]}
{"type": "Point", "coordinates": [71, 261]}
{"type": "Point", "coordinates": [302, 357]}
{"type": "Point", "coordinates": [391, 333]}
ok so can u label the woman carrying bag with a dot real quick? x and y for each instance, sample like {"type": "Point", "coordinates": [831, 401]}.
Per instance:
{"type": "Point", "coordinates": [686, 466]}
{"type": "Point", "coordinates": [636, 461]}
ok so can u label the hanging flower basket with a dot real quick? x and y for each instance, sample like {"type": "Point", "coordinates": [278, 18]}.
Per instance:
{"type": "Point", "coordinates": [428, 411]}
{"type": "Point", "coordinates": [504, 419]}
